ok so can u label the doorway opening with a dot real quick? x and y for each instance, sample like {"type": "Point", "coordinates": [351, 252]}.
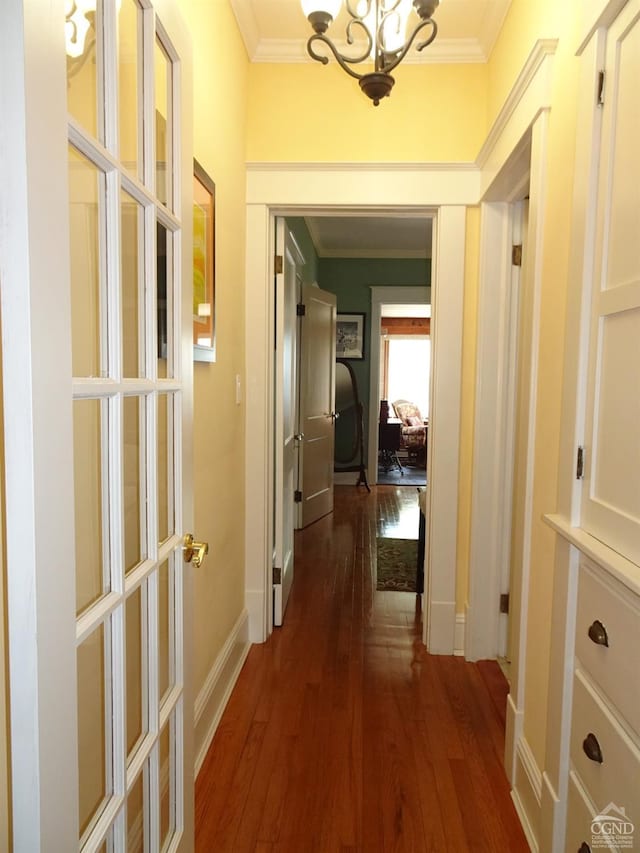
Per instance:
{"type": "Point", "coordinates": [404, 393]}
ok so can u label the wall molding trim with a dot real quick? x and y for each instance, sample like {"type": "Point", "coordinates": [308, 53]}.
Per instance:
{"type": "Point", "coordinates": [216, 690]}
{"type": "Point", "coordinates": [527, 793]}
{"type": "Point", "coordinates": [458, 642]}
{"type": "Point", "coordinates": [359, 166]}
{"type": "Point", "coordinates": [541, 52]}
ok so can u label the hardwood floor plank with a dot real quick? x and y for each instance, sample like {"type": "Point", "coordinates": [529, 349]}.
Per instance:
{"type": "Point", "coordinates": [342, 734]}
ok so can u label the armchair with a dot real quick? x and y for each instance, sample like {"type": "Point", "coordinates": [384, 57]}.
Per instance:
{"type": "Point", "coordinates": [414, 429]}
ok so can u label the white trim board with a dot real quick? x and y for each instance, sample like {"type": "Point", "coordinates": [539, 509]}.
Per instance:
{"type": "Point", "coordinates": [527, 793]}
{"type": "Point", "coordinates": [216, 690]}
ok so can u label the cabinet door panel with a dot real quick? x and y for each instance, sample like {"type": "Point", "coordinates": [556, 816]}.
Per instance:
{"type": "Point", "coordinates": [611, 497]}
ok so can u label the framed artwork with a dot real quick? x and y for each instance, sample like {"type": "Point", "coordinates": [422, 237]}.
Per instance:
{"type": "Point", "coordinates": [204, 265]}
{"type": "Point", "coordinates": [350, 336]}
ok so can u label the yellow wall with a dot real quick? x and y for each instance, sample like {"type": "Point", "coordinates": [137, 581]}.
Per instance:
{"type": "Point", "coordinates": [525, 23]}
{"type": "Point", "coordinates": [467, 404]}
{"type": "Point", "coordinates": [220, 93]}
{"type": "Point", "coordinates": [316, 113]}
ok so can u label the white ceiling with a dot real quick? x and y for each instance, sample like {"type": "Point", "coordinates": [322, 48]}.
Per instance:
{"type": "Point", "coordinates": [370, 236]}
{"type": "Point", "coordinates": [277, 30]}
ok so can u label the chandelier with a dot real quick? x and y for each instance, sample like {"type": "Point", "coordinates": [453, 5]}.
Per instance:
{"type": "Point", "coordinates": [382, 26]}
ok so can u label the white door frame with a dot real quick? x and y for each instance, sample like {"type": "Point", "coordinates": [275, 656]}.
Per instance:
{"type": "Point", "coordinates": [384, 296]}
{"type": "Point", "coordinates": [516, 145]}
{"type": "Point", "coordinates": [34, 273]}
{"type": "Point", "coordinates": [298, 189]}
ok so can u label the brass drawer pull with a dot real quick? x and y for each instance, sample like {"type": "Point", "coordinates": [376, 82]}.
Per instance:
{"type": "Point", "coordinates": [598, 634]}
{"type": "Point", "coordinates": [584, 848]}
{"type": "Point", "coordinates": [591, 748]}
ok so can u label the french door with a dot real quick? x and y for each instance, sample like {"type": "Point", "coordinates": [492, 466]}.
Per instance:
{"type": "Point", "coordinates": [97, 355]}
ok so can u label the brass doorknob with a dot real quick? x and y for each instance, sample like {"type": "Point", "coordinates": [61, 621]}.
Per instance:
{"type": "Point", "coordinates": [194, 552]}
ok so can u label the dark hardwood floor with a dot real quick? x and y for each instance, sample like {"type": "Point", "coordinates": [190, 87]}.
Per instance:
{"type": "Point", "coordinates": [342, 733]}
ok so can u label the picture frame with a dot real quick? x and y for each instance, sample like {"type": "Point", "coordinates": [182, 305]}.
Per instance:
{"type": "Point", "coordinates": [204, 265]}
{"type": "Point", "coordinates": [350, 336]}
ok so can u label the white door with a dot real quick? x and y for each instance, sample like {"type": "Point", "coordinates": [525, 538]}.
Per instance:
{"type": "Point", "coordinates": [286, 403]}
{"type": "Point", "coordinates": [97, 354]}
{"type": "Point", "coordinates": [611, 492]}
{"type": "Point", "coordinates": [317, 401]}
{"type": "Point", "coordinates": [518, 371]}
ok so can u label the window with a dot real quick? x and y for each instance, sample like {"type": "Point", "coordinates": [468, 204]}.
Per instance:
{"type": "Point", "coordinates": [406, 367]}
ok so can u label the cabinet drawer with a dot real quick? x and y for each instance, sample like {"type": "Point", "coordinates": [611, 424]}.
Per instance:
{"type": "Point", "coordinates": [579, 816]}
{"type": "Point", "coordinates": [616, 779]}
{"type": "Point", "coordinates": [613, 667]}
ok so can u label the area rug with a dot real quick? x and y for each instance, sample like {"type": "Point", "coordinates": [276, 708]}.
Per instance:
{"type": "Point", "coordinates": [396, 564]}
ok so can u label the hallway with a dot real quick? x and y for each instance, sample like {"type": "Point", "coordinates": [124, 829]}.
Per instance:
{"type": "Point", "coordinates": [342, 734]}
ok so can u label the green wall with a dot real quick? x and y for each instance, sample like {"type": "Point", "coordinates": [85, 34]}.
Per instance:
{"type": "Point", "coordinates": [351, 279]}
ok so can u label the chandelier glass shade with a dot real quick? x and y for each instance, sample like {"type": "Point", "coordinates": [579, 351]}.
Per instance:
{"type": "Point", "coordinates": [382, 30]}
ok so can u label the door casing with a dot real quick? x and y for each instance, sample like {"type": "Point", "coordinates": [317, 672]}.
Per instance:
{"type": "Point", "coordinates": [430, 190]}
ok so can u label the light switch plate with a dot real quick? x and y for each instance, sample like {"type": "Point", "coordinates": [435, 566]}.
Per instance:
{"type": "Point", "coordinates": [238, 390]}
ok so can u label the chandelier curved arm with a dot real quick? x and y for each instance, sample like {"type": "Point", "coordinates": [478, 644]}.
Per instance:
{"type": "Point", "coordinates": [343, 61]}
{"type": "Point", "coordinates": [396, 58]}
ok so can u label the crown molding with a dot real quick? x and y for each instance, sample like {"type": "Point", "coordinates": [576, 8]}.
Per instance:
{"type": "Point", "coordinates": [451, 51]}
{"type": "Point", "coordinates": [247, 25]}
{"type": "Point", "coordinates": [346, 166]}
{"type": "Point", "coordinates": [492, 26]}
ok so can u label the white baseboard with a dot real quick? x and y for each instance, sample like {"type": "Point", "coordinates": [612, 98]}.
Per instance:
{"type": "Point", "coordinates": [512, 735]}
{"type": "Point", "coordinates": [458, 642]}
{"type": "Point", "coordinates": [553, 815]}
{"type": "Point", "coordinates": [346, 478]}
{"type": "Point", "coordinates": [255, 606]}
{"type": "Point", "coordinates": [527, 793]}
{"type": "Point", "coordinates": [216, 690]}
{"type": "Point", "coordinates": [441, 630]}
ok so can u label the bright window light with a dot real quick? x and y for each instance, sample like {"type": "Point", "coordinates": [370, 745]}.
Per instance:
{"type": "Point", "coordinates": [409, 371]}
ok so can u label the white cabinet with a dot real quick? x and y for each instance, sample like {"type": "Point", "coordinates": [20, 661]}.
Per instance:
{"type": "Point", "coordinates": [605, 722]}
{"type": "Point", "coordinates": [611, 493]}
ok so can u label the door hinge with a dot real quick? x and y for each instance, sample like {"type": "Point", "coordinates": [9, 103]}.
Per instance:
{"type": "Point", "coordinates": [301, 309]}
{"type": "Point", "coordinates": [278, 264]}
{"type": "Point", "coordinates": [504, 602]}
{"type": "Point", "coordinates": [580, 463]}
{"type": "Point", "coordinates": [600, 94]}
{"type": "Point", "coordinates": [277, 576]}
{"type": "Point", "coordinates": [297, 496]}
{"type": "Point", "coordinates": [516, 255]}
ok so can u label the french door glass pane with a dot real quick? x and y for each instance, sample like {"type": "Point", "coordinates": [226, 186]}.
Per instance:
{"type": "Point", "coordinates": [83, 45]}
{"type": "Point", "coordinates": [131, 270]}
{"type": "Point", "coordinates": [129, 78]}
{"type": "Point", "coordinates": [86, 203]}
{"type": "Point", "coordinates": [93, 770]}
{"type": "Point", "coordinates": [135, 817]}
{"type": "Point", "coordinates": [134, 488]}
{"type": "Point", "coordinates": [166, 526]}
{"type": "Point", "coordinates": [164, 294]}
{"type": "Point", "coordinates": [167, 775]}
{"type": "Point", "coordinates": [91, 575]}
{"type": "Point", "coordinates": [164, 129]}
{"type": "Point", "coordinates": [165, 603]}
{"type": "Point", "coordinates": [135, 671]}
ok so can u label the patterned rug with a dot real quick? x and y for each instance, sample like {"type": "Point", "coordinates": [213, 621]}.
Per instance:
{"type": "Point", "coordinates": [396, 564]}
